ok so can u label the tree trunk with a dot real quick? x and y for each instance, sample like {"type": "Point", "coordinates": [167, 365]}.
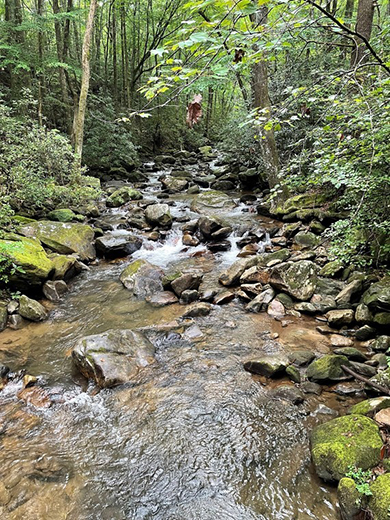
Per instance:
{"type": "Point", "coordinates": [262, 104]}
{"type": "Point", "coordinates": [114, 57]}
{"type": "Point", "coordinates": [364, 21]}
{"type": "Point", "coordinates": [209, 110]}
{"type": "Point", "coordinates": [85, 63]}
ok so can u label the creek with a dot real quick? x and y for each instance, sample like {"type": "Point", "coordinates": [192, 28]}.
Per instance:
{"type": "Point", "coordinates": [194, 436]}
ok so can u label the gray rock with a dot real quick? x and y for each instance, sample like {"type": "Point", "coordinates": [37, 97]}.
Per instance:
{"type": "Point", "coordinates": [306, 239]}
{"type": "Point", "coordinates": [161, 299]}
{"type": "Point", "coordinates": [363, 314]}
{"type": "Point", "coordinates": [224, 297]}
{"type": "Point", "coordinates": [363, 369]}
{"type": "Point", "coordinates": [289, 393]}
{"type": "Point", "coordinates": [377, 296]}
{"type": "Point", "coordinates": [269, 366]}
{"type": "Point", "coordinates": [158, 215]}
{"type": "Point", "coordinates": [301, 358]}
{"type": "Point", "coordinates": [294, 374]}
{"type": "Point", "coordinates": [16, 322]}
{"type": "Point", "coordinates": [311, 388]}
{"type": "Point", "coordinates": [233, 273]}
{"type": "Point", "coordinates": [381, 343]}
{"type": "Point", "coordinates": [54, 290]}
{"type": "Point", "coordinates": [197, 310]}
{"type": "Point", "coordinates": [364, 333]}
{"type": "Point", "coordinates": [31, 309]}
{"type": "Point", "coordinates": [189, 296]}
{"type": "Point", "coordinates": [345, 296]}
{"type": "Point", "coordinates": [143, 278]}
{"type": "Point", "coordinates": [298, 279]}
{"type": "Point", "coordinates": [339, 318]}
{"type": "Point", "coordinates": [117, 245]}
{"type": "Point", "coordinates": [114, 357]}
{"type": "Point", "coordinates": [351, 353]}
{"type": "Point", "coordinates": [188, 281]}
{"type": "Point", "coordinates": [328, 368]}
{"type": "Point", "coordinates": [261, 302]}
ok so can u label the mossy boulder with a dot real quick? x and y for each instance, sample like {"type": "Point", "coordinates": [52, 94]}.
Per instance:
{"type": "Point", "coordinates": [301, 202]}
{"type": "Point", "coordinates": [62, 215]}
{"type": "Point", "coordinates": [63, 238]}
{"type": "Point", "coordinates": [332, 269]}
{"type": "Point", "coordinates": [370, 407]}
{"type": "Point", "coordinates": [377, 296]}
{"type": "Point", "coordinates": [352, 440]}
{"type": "Point", "coordinates": [306, 239]}
{"type": "Point", "coordinates": [269, 366]}
{"type": "Point", "coordinates": [212, 202]}
{"type": "Point", "coordinates": [327, 368]}
{"type": "Point", "coordinates": [382, 378]}
{"type": "Point", "coordinates": [122, 196]}
{"type": "Point", "coordinates": [379, 503]}
{"type": "Point", "coordinates": [382, 319]}
{"type": "Point", "coordinates": [142, 278]}
{"type": "Point", "coordinates": [65, 267]}
{"type": "Point", "coordinates": [159, 215]}
{"type": "Point", "coordinates": [298, 279]}
{"type": "Point", "coordinates": [274, 258]}
{"type": "Point", "coordinates": [28, 255]}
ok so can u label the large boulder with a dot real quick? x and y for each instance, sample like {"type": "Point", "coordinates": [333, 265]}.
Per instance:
{"type": "Point", "coordinates": [31, 309]}
{"type": "Point", "coordinates": [327, 368]}
{"type": "Point", "coordinates": [298, 279]}
{"type": "Point", "coordinates": [377, 296]}
{"type": "Point", "coordinates": [63, 238]}
{"type": "Point", "coordinates": [370, 407]}
{"type": "Point", "coordinates": [352, 440]}
{"type": "Point", "coordinates": [142, 278]}
{"type": "Point", "coordinates": [174, 184]}
{"type": "Point", "coordinates": [123, 195]}
{"type": "Point", "coordinates": [32, 263]}
{"type": "Point", "coordinates": [212, 202]}
{"type": "Point", "coordinates": [117, 245]}
{"type": "Point", "coordinates": [114, 357]}
{"type": "Point", "coordinates": [158, 215]}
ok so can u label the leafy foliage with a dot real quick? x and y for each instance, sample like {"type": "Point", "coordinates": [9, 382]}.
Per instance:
{"type": "Point", "coordinates": [362, 479]}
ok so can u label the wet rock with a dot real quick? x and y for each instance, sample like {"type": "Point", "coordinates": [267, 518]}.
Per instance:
{"type": "Point", "coordinates": [12, 307]}
{"type": "Point", "coordinates": [248, 250]}
{"type": "Point", "coordinates": [252, 275]}
{"type": "Point", "coordinates": [353, 440]}
{"type": "Point", "coordinates": [261, 302]}
{"type": "Point", "coordinates": [348, 390]}
{"type": "Point", "coordinates": [63, 238]}
{"type": "Point", "coordinates": [233, 273]}
{"type": "Point", "coordinates": [305, 307]}
{"type": "Point", "coordinates": [351, 353]}
{"type": "Point", "coordinates": [311, 388]}
{"type": "Point", "coordinates": [54, 290]}
{"type": "Point", "coordinates": [190, 227]}
{"type": "Point", "coordinates": [192, 333]}
{"type": "Point", "coordinates": [350, 499]}
{"type": "Point", "coordinates": [36, 396]}
{"type": "Point", "coordinates": [117, 245]}
{"type": "Point", "coordinates": [212, 202]}
{"type": "Point", "coordinates": [363, 369]}
{"type": "Point", "coordinates": [286, 300]}
{"type": "Point", "coordinates": [249, 178]}
{"type": "Point", "coordinates": [66, 267]}
{"type": "Point", "coordinates": [208, 295]}
{"type": "Point", "coordinates": [271, 259]}
{"type": "Point", "coordinates": [158, 215]}
{"type": "Point", "coordinates": [378, 360]}
{"type": "Point", "coordinates": [114, 357]}
{"type": "Point", "coordinates": [294, 374]}
{"type": "Point", "coordinates": [189, 240]}
{"type": "Point", "coordinates": [197, 310]}
{"type": "Point", "coordinates": [223, 185]}
{"type": "Point", "coordinates": [297, 280]}
{"type": "Point", "coordinates": [222, 233]}
{"type": "Point", "coordinates": [193, 190]}
{"type": "Point", "coordinates": [16, 322]}
{"type": "Point", "coordinates": [370, 407]}
{"type": "Point", "coordinates": [208, 225]}
{"type": "Point", "coordinates": [378, 503]}
{"type": "Point", "coordinates": [252, 289]}
{"type": "Point", "coordinates": [323, 303]}
{"type": "Point", "coordinates": [143, 278]}
{"type": "Point", "coordinates": [31, 309]}
{"type": "Point", "coordinates": [188, 281]}
{"type": "Point", "coordinates": [328, 368]}
{"type": "Point", "coordinates": [174, 184]}
{"type": "Point", "coordinates": [382, 378]}
{"type": "Point", "coordinates": [364, 333]}
{"type": "Point", "coordinates": [332, 269]}
{"type": "Point", "coordinates": [327, 287]}
{"type": "Point", "coordinates": [289, 393]}
{"type": "Point", "coordinates": [382, 319]}
{"type": "Point", "coordinates": [224, 297]}
{"type": "Point", "coordinates": [339, 318]}
{"type": "Point", "coordinates": [340, 341]}
{"type": "Point", "coordinates": [269, 366]}
{"type": "Point", "coordinates": [3, 315]}
{"type": "Point", "coordinates": [163, 298]}
{"type": "Point", "coordinates": [306, 239]}
{"type": "Point", "coordinates": [189, 296]}
{"type": "Point", "coordinates": [380, 344]}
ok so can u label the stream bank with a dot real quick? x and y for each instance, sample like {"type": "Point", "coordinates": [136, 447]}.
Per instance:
{"type": "Point", "coordinates": [191, 435]}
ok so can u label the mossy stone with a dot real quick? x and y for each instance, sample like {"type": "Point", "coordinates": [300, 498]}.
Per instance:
{"type": "Point", "coordinates": [128, 274]}
{"type": "Point", "coordinates": [379, 503]}
{"type": "Point", "coordinates": [31, 309]}
{"type": "Point", "coordinates": [352, 440]}
{"type": "Point", "coordinates": [294, 374]}
{"type": "Point", "coordinates": [29, 255]}
{"type": "Point", "coordinates": [350, 499]}
{"type": "Point", "coordinates": [332, 269]}
{"type": "Point", "coordinates": [306, 239]}
{"type": "Point", "coordinates": [62, 215]}
{"type": "Point", "coordinates": [169, 278]}
{"type": "Point", "coordinates": [370, 407]}
{"type": "Point", "coordinates": [382, 319]}
{"type": "Point", "coordinates": [327, 368]}
{"type": "Point", "coordinates": [123, 195]}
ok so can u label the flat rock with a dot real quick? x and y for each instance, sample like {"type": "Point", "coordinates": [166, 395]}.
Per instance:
{"type": "Point", "coordinates": [269, 366]}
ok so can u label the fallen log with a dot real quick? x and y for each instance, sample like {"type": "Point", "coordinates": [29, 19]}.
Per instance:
{"type": "Point", "coordinates": [381, 388]}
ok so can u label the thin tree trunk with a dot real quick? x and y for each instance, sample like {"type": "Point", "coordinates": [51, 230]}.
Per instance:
{"type": "Point", "coordinates": [85, 62]}
{"type": "Point", "coordinates": [40, 64]}
{"type": "Point", "coordinates": [209, 110]}
{"type": "Point", "coordinates": [365, 16]}
{"type": "Point", "coordinates": [114, 56]}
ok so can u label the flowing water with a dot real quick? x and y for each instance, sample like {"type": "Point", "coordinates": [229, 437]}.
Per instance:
{"type": "Point", "coordinates": [194, 436]}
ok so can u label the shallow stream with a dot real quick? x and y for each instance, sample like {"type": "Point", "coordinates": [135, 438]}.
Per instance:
{"type": "Point", "coordinates": [193, 437]}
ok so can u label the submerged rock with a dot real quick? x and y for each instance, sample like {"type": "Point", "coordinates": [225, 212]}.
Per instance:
{"type": "Point", "coordinates": [352, 440]}
{"type": "Point", "coordinates": [114, 357]}
{"type": "Point", "coordinates": [54, 290]}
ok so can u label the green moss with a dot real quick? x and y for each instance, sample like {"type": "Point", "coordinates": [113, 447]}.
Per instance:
{"type": "Point", "coordinates": [353, 440]}
{"type": "Point", "coordinates": [169, 278]}
{"type": "Point", "coordinates": [128, 274]}
{"type": "Point", "coordinates": [331, 269]}
{"type": "Point", "coordinates": [379, 503]}
{"type": "Point", "coordinates": [62, 215]}
{"type": "Point", "coordinates": [29, 255]}
{"type": "Point", "coordinates": [123, 195]}
{"type": "Point", "coordinates": [371, 406]}
{"type": "Point", "coordinates": [350, 499]}
{"type": "Point", "coordinates": [327, 368]}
